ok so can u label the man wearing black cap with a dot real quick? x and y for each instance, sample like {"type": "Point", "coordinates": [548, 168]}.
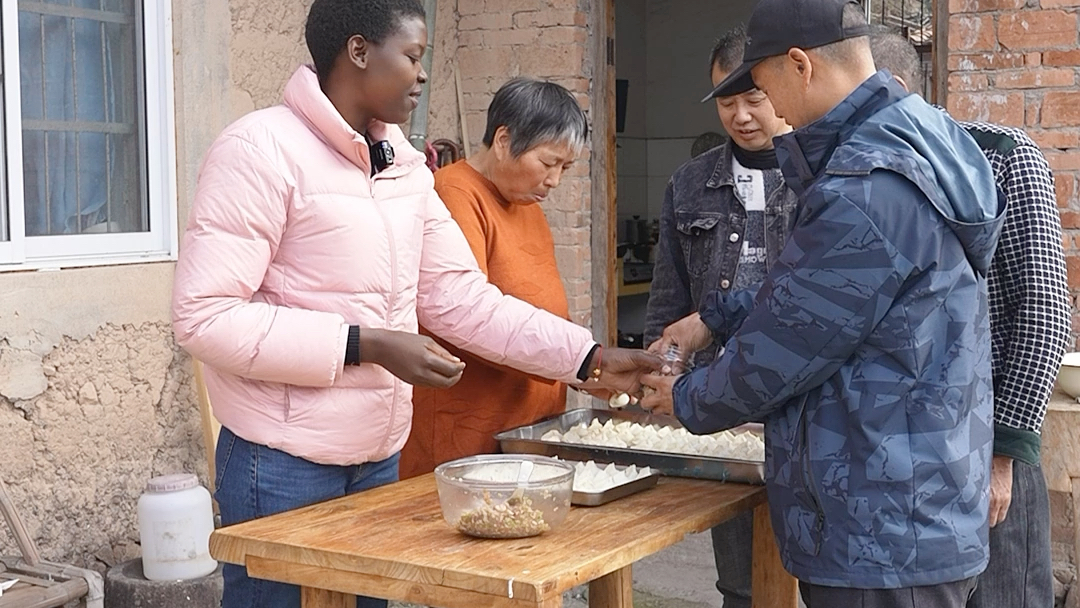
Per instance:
{"type": "Point", "coordinates": [867, 349]}
{"type": "Point", "coordinates": [725, 219]}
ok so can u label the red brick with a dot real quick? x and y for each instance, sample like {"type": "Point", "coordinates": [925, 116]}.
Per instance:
{"type": "Point", "coordinates": [554, 36]}
{"type": "Point", "coordinates": [1032, 105]}
{"type": "Point", "coordinates": [1032, 78]}
{"type": "Point", "coordinates": [1072, 265]}
{"type": "Point", "coordinates": [483, 61]}
{"type": "Point", "coordinates": [1064, 161]}
{"type": "Point", "coordinates": [1057, 3]}
{"type": "Point", "coordinates": [984, 61]}
{"type": "Point", "coordinates": [967, 81]}
{"type": "Point", "coordinates": [574, 84]}
{"type": "Point", "coordinates": [470, 39]}
{"type": "Point", "coordinates": [1056, 138]}
{"type": "Point", "coordinates": [1061, 109]}
{"type": "Point", "coordinates": [976, 6]}
{"type": "Point", "coordinates": [1070, 219]}
{"type": "Point", "coordinates": [1062, 57]}
{"type": "Point", "coordinates": [1036, 30]}
{"type": "Point", "coordinates": [516, 6]}
{"type": "Point", "coordinates": [476, 102]}
{"type": "Point", "coordinates": [971, 33]}
{"type": "Point", "coordinates": [548, 18]}
{"type": "Point", "coordinates": [543, 62]}
{"type": "Point", "coordinates": [1064, 188]}
{"type": "Point", "coordinates": [1033, 59]}
{"type": "Point", "coordinates": [470, 7]}
{"type": "Point", "coordinates": [485, 22]}
{"type": "Point", "coordinates": [1001, 108]}
{"type": "Point", "coordinates": [477, 122]}
{"type": "Point", "coordinates": [513, 36]}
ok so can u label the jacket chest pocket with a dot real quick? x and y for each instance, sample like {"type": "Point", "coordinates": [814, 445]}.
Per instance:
{"type": "Point", "coordinates": [698, 234]}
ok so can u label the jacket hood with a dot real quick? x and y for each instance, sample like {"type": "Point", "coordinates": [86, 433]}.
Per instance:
{"type": "Point", "coordinates": [881, 126]}
{"type": "Point", "coordinates": [306, 99]}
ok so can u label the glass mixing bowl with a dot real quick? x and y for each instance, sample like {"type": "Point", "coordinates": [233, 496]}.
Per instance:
{"type": "Point", "coordinates": [505, 495]}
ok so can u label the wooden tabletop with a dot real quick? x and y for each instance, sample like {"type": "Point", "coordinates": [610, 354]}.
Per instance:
{"type": "Point", "coordinates": [394, 540]}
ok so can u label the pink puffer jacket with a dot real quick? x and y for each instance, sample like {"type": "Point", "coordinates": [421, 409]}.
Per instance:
{"type": "Point", "coordinates": [290, 241]}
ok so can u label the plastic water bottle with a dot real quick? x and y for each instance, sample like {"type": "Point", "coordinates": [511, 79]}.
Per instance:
{"type": "Point", "coordinates": [175, 522]}
{"type": "Point", "coordinates": [673, 360]}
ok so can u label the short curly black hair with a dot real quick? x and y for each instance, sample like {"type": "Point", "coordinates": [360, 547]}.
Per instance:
{"type": "Point", "coordinates": [330, 24]}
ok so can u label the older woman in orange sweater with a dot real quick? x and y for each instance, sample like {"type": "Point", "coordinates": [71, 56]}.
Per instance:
{"type": "Point", "coordinates": [535, 131]}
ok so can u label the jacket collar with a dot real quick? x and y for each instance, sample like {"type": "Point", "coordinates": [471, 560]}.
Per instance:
{"type": "Point", "coordinates": [722, 174]}
{"type": "Point", "coordinates": [804, 153]}
{"type": "Point", "coordinates": [305, 98]}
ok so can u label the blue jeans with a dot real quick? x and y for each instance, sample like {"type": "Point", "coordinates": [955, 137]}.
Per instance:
{"type": "Point", "coordinates": [256, 481]}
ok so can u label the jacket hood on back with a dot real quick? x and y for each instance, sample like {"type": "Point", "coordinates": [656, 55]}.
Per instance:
{"type": "Point", "coordinates": [940, 159]}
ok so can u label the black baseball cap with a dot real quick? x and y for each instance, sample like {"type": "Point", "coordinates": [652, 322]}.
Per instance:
{"type": "Point", "coordinates": [779, 25]}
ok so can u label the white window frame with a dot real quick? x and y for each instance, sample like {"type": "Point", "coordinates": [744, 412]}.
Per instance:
{"type": "Point", "coordinates": [160, 243]}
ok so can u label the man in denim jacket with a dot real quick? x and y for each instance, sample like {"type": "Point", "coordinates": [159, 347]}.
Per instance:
{"type": "Point", "coordinates": [726, 216]}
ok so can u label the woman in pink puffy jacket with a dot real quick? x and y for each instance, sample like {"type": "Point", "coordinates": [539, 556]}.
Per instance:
{"type": "Point", "coordinates": [315, 244]}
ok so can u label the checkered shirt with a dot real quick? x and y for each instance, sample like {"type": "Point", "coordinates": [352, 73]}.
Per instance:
{"type": "Point", "coordinates": [1030, 315]}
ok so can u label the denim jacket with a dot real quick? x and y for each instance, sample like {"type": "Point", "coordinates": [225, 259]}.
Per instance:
{"type": "Point", "coordinates": [701, 237]}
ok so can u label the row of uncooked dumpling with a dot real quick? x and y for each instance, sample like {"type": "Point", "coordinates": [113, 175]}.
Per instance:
{"type": "Point", "coordinates": [655, 438]}
{"type": "Point", "coordinates": [590, 477]}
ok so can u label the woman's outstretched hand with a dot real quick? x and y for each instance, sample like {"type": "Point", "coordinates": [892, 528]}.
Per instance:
{"type": "Point", "coordinates": [621, 370]}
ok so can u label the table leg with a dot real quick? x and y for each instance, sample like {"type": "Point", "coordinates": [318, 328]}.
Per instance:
{"type": "Point", "coordinates": [773, 587]}
{"type": "Point", "coordinates": [311, 597]}
{"type": "Point", "coordinates": [1076, 521]}
{"type": "Point", "coordinates": [613, 590]}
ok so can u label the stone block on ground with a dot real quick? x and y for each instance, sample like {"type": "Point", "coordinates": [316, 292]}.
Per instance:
{"type": "Point", "coordinates": [125, 587]}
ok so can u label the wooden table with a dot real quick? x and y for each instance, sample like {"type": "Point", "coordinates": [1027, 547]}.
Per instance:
{"type": "Point", "coordinates": [392, 542]}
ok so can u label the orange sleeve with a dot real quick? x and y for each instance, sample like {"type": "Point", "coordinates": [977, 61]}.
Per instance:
{"type": "Point", "coordinates": [465, 208]}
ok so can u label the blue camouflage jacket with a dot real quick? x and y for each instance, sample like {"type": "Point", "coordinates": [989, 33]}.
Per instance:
{"type": "Point", "coordinates": [867, 349]}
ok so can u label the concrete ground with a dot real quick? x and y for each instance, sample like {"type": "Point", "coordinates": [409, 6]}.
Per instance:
{"type": "Point", "coordinates": [681, 576]}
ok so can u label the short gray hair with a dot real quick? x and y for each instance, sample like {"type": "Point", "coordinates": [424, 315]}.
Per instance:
{"type": "Point", "coordinates": [535, 112]}
{"type": "Point", "coordinates": [895, 53]}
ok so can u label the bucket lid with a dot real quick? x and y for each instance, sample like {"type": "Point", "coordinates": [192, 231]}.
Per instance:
{"type": "Point", "coordinates": [172, 483]}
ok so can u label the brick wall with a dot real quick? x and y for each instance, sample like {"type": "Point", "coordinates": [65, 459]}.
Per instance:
{"type": "Point", "coordinates": [1015, 62]}
{"type": "Point", "coordinates": [500, 39]}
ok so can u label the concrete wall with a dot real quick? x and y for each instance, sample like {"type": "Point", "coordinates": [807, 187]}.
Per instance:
{"type": "Point", "coordinates": [631, 64]}
{"type": "Point", "coordinates": [663, 49]}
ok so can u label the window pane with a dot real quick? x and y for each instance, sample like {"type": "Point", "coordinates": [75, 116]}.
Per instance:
{"type": "Point", "coordinates": [82, 122]}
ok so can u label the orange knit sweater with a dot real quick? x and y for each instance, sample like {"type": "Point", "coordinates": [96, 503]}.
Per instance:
{"type": "Point", "coordinates": [514, 247]}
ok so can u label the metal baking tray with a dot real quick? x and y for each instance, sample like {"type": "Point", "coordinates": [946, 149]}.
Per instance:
{"type": "Point", "coordinates": [526, 440]}
{"type": "Point", "coordinates": [595, 499]}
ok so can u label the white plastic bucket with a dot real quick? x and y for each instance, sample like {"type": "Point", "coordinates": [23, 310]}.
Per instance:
{"type": "Point", "coordinates": [175, 522]}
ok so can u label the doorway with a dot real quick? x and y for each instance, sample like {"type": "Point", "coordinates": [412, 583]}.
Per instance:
{"type": "Point", "coordinates": [657, 71]}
